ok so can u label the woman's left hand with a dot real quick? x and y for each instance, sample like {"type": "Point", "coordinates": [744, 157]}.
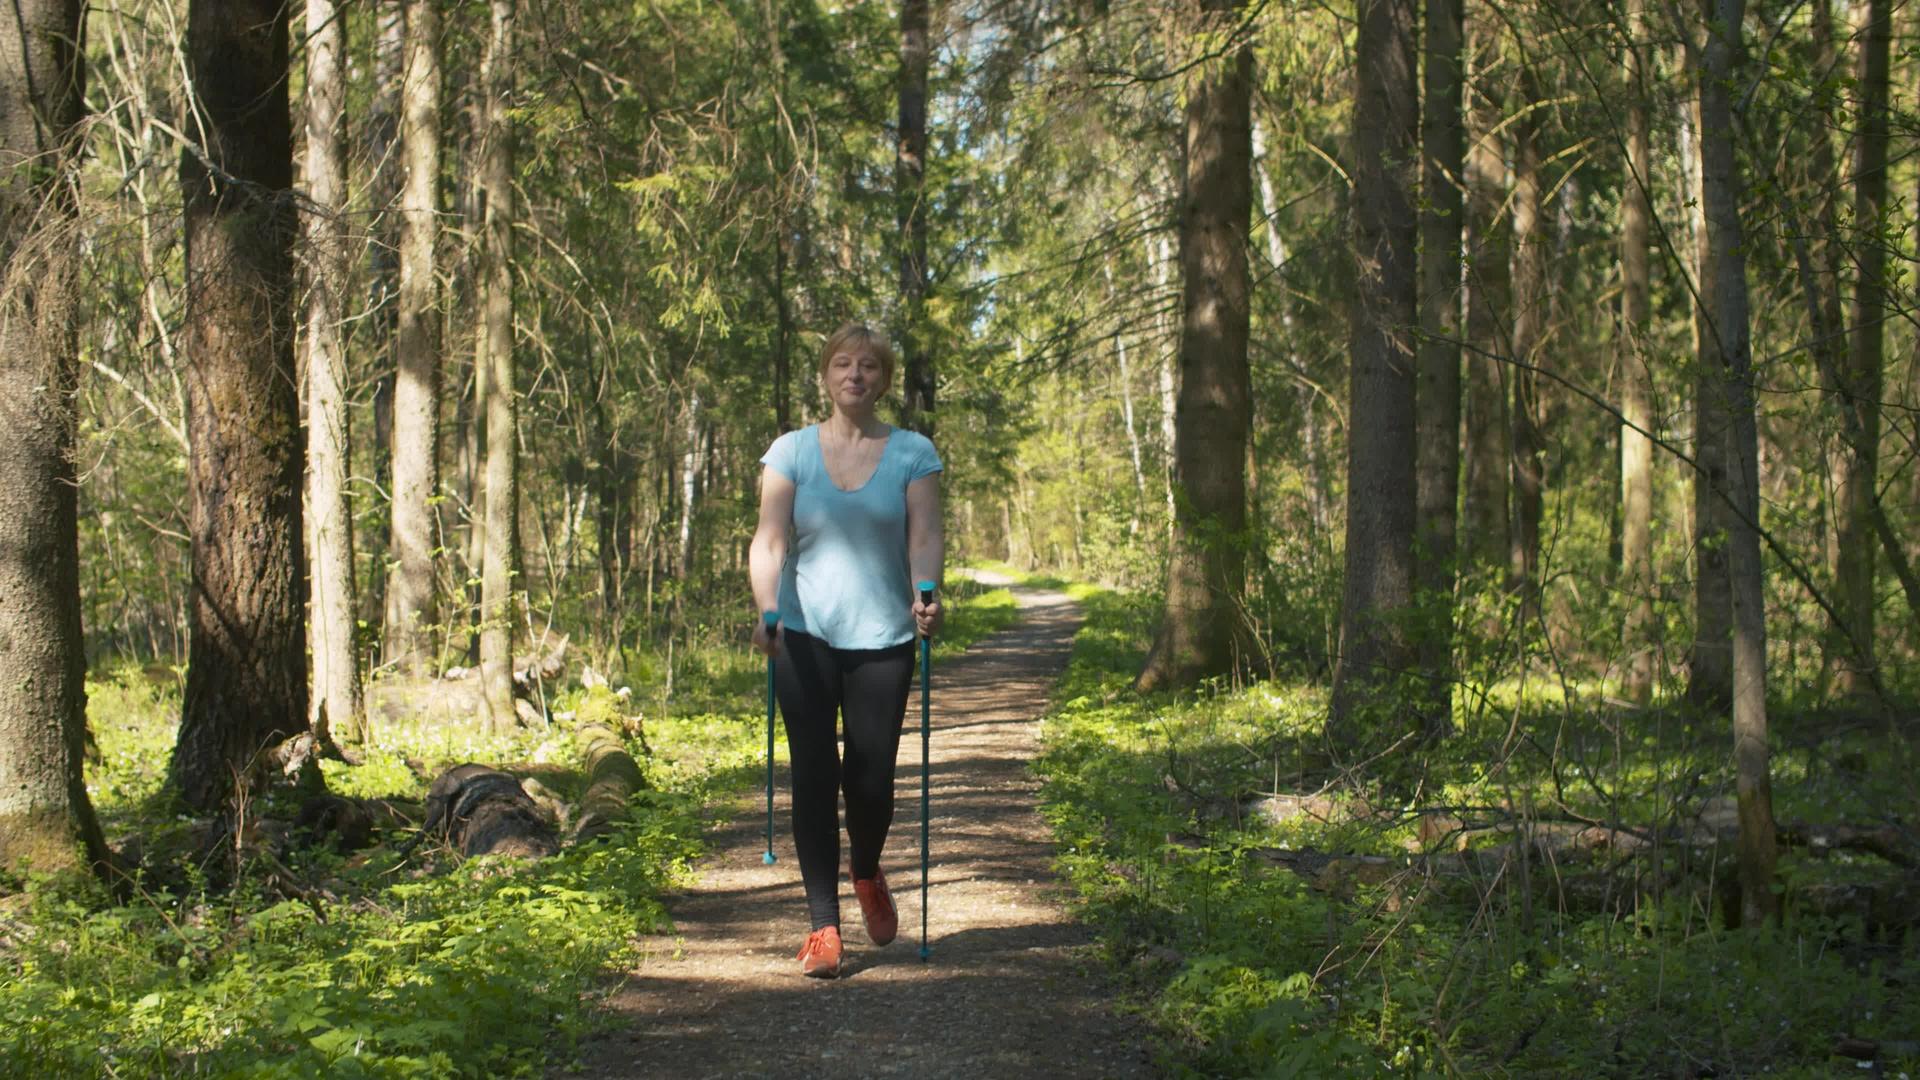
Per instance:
{"type": "Point", "coordinates": [928, 617]}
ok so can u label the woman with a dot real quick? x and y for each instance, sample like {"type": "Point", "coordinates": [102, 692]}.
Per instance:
{"type": "Point", "coordinates": [849, 520]}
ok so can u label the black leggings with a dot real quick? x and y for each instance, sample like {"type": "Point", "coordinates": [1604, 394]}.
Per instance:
{"type": "Point", "coordinates": [868, 688]}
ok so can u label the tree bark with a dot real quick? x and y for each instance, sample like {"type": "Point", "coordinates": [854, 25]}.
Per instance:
{"type": "Point", "coordinates": [1161, 257]}
{"type": "Point", "coordinates": [1636, 407]}
{"type": "Point", "coordinates": [691, 466]}
{"type": "Point", "coordinates": [336, 709]}
{"type": "Point", "coordinates": [787, 207]}
{"type": "Point", "coordinates": [499, 584]}
{"type": "Point", "coordinates": [1857, 484]}
{"type": "Point", "coordinates": [1710, 660]}
{"type": "Point", "coordinates": [413, 603]}
{"type": "Point", "coordinates": [1821, 279]}
{"type": "Point", "coordinates": [1125, 378]}
{"type": "Point", "coordinates": [1524, 439]}
{"type": "Point", "coordinates": [910, 209]}
{"type": "Point", "coordinates": [46, 818]}
{"type": "Point", "coordinates": [1484, 504]}
{"type": "Point", "coordinates": [1201, 630]}
{"type": "Point", "coordinates": [613, 779]}
{"type": "Point", "coordinates": [1726, 295]}
{"type": "Point", "coordinates": [1437, 397]}
{"type": "Point", "coordinates": [1382, 487]}
{"type": "Point", "coordinates": [246, 674]}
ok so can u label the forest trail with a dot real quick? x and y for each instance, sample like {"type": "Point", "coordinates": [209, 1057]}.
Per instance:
{"type": "Point", "coordinates": [1010, 990]}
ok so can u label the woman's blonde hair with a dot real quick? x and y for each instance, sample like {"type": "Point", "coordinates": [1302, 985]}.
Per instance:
{"type": "Point", "coordinates": [858, 338]}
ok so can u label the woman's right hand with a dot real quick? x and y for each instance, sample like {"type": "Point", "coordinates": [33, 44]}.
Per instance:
{"type": "Point", "coordinates": [766, 636]}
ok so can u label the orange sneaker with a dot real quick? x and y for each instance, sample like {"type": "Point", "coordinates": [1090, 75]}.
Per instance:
{"type": "Point", "coordinates": [876, 906]}
{"type": "Point", "coordinates": [820, 956]}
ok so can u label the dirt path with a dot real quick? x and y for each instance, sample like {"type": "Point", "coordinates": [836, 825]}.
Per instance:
{"type": "Point", "coordinates": [1009, 990]}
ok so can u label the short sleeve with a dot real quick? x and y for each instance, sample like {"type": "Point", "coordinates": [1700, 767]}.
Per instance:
{"type": "Point", "coordinates": [782, 457]}
{"type": "Point", "coordinates": [925, 460]}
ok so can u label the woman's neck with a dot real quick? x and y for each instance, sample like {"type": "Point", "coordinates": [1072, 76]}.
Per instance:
{"type": "Point", "coordinates": [849, 426]}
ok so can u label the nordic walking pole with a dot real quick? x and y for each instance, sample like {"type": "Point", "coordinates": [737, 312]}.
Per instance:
{"type": "Point", "coordinates": [772, 619]}
{"type": "Point", "coordinates": [926, 747]}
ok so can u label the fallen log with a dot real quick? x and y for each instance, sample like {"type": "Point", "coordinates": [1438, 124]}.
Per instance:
{"type": "Point", "coordinates": [1575, 881]}
{"type": "Point", "coordinates": [612, 779]}
{"type": "Point", "coordinates": [1715, 824]}
{"type": "Point", "coordinates": [481, 810]}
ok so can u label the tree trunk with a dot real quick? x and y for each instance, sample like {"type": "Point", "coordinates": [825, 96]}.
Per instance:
{"type": "Point", "coordinates": [473, 474]}
{"type": "Point", "coordinates": [910, 210]}
{"type": "Point", "coordinates": [782, 337]}
{"type": "Point", "coordinates": [1636, 411]}
{"type": "Point", "coordinates": [1726, 294]}
{"type": "Point", "coordinates": [1162, 259]}
{"type": "Point", "coordinates": [46, 818]}
{"type": "Point", "coordinates": [413, 606]}
{"type": "Point", "coordinates": [1529, 320]}
{"type": "Point", "coordinates": [499, 571]}
{"type": "Point", "coordinates": [1437, 399]}
{"type": "Point", "coordinates": [1381, 483]}
{"type": "Point", "coordinates": [1822, 277]}
{"type": "Point", "coordinates": [247, 670]}
{"type": "Point", "coordinates": [386, 107]}
{"type": "Point", "coordinates": [1289, 341]}
{"type": "Point", "coordinates": [690, 468]}
{"type": "Point", "coordinates": [1201, 631]}
{"type": "Point", "coordinates": [1857, 484]}
{"type": "Point", "coordinates": [1126, 414]}
{"type": "Point", "coordinates": [783, 227]}
{"type": "Point", "coordinates": [1488, 243]}
{"type": "Point", "coordinates": [336, 710]}
{"type": "Point", "coordinates": [1710, 661]}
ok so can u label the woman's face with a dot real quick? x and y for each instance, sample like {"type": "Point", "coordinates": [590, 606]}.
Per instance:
{"type": "Point", "coordinates": [855, 379]}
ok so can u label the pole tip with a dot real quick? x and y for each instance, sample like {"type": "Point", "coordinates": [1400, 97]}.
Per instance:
{"type": "Point", "coordinates": [925, 952]}
{"type": "Point", "coordinates": [767, 858]}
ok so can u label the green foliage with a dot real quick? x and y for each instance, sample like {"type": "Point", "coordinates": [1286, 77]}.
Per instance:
{"type": "Point", "coordinates": [1247, 968]}
{"type": "Point", "coordinates": [399, 983]}
{"type": "Point", "coordinates": [399, 969]}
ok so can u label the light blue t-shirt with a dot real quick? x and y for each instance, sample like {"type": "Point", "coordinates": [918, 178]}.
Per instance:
{"type": "Point", "coordinates": [846, 579]}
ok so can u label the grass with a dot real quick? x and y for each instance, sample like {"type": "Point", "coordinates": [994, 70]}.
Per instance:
{"type": "Point", "coordinates": [1247, 968]}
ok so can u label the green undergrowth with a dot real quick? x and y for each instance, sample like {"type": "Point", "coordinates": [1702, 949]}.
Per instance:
{"type": "Point", "coordinates": [1248, 968]}
{"type": "Point", "coordinates": [386, 966]}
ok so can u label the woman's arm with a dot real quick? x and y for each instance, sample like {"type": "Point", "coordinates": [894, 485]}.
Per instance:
{"type": "Point", "coordinates": [768, 552]}
{"type": "Point", "coordinates": [926, 548]}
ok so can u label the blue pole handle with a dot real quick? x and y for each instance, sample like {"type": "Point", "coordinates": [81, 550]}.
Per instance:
{"type": "Point", "coordinates": [926, 592]}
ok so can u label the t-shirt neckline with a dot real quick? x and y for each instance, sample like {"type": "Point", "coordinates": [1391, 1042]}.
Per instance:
{"type": "Point", "coordinates": [820, 449]}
